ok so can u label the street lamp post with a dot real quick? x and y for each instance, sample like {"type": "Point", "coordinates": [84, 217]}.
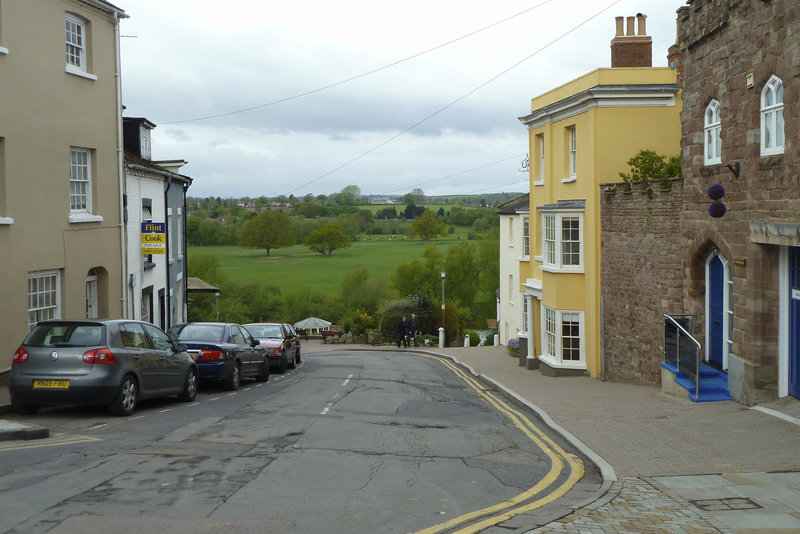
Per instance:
{"type": "Point", "coordinates": [441, 330]}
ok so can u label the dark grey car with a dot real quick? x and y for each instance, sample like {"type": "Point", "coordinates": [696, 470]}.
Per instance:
{"type": "Point", "coordinates": [100, 362]}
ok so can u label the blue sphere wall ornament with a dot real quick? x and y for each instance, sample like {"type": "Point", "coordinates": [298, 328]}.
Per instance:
{"type": "Point", "coordinates": [717, 209]}
{"type": "Point", "coordinates": [715, 191]}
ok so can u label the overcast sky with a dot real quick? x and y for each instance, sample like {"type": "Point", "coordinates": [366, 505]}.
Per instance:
{"type": "Point", "coordinates": [308, 96]}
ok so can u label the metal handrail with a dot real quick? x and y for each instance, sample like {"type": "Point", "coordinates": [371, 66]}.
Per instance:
{"type": "Point", "coordinates": [681, 329]}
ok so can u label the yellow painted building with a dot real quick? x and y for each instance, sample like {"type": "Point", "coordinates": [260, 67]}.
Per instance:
{"type": "Point", "coordinates": [582, 134]}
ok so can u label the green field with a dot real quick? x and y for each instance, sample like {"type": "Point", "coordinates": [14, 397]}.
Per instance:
{"type": "Point", "coordinates": [296, 267]}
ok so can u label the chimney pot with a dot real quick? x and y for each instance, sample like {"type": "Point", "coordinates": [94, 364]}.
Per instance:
{"type": "Point", "coordinates": [620, 26]}
{"type": "Point", "coordinates": [629, 30]}
{"type": "Point", "coordinates": [642, 20]}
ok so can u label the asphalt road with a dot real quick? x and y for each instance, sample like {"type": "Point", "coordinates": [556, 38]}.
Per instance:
{"type": "Point", "coordinates": [351, 441]}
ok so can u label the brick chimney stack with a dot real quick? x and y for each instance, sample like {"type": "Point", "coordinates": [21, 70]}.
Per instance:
{"type": "Point", "coordinates": [629, 49]}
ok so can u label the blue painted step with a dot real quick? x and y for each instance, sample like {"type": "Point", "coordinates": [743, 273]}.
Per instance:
{"type": "Point", "coordinates": [713, 383]}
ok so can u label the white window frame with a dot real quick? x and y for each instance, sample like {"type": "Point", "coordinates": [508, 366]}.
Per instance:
{"type": "Point", "coordinates": [712, 130]}
{"type": "Point", "coordinates": [773, 137]}
{"type": "Point", "coordinates": [553, 337]}
{"type": "Point", "coordinates": [178, 234]}
{"type": "Point", "coordinates": [3, 50]}
{"type": "Point", "coordinates": [572, 154]}
{"type": "Point", "coordinates": [170, 232]}
{"type": "Point", "coordinates": [540, 138]}
{"type": "Point", "coordinates": [43, 302]}
{"type": "Point", "coordinates": [3, 218]}
{"type": "Point", "coordinates": [80, 186]}
{"type": "Point", "coordinates": [511, 289]}
{"type": "Point", "coordinates": [75, 39]}
{"type": "Point", "coordinates": [553, 248]}
{"type": "Point", "coordinates": [526, 236]}
{"type": "Point", "coordinates": [524, 328]}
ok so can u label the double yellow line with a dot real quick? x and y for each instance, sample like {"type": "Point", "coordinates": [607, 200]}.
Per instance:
{"type": "Point", "coordinates": [559, 460]}
{"type": "Point", "coordinates": [45, 442]}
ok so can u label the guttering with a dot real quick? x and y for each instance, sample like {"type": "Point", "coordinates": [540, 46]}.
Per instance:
{"type": "Point", "coordinates": [120, 168]}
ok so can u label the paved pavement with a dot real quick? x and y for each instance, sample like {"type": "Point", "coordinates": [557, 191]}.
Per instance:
{"type": "Point", "coordinates": [670, 465]}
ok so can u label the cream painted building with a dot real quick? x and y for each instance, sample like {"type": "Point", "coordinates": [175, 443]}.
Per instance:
{"type": "Point", "coordinates": [61, 184]}
{"type": "Point", "coordinates": [514, 265]}
{"type": "Point", "coordinates": [582, 134]}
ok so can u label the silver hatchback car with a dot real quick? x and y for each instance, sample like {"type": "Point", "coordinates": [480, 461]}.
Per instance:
{"type": "Point", "coordinates": [112, 363]}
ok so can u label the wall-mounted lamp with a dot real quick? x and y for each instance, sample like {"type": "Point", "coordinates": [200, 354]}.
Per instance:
{"type": "Point", "coordinates": [734, 168]}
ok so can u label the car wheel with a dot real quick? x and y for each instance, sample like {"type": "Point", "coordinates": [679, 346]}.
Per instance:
{"type": "Point", "coordinates": [189, 387]}
{"type": "Point", "coordinates": [263, 376]}
{"type": "Point", "coordinates": [125, 403]}
{"type": "Point", "coordinates": [232, 382]}
{"type": "Point", "coordinates": [24, 408]}
{"type": "Point", "coordinates": [297, 356]}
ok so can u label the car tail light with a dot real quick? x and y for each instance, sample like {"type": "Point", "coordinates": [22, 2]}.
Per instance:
{"type": "Point", "coordinates": [21, 356]}
{"type": "Point", "coordinates": [210, 355]}
{"type": "Point", "coordinates": [98, 356]}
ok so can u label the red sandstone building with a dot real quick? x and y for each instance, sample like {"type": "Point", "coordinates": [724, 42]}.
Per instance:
{"type": "Point", "coordinates": [732, 261]}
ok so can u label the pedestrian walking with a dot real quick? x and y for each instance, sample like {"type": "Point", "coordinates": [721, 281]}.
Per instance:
{"type": "Point", "coordinates": [412, 329]}
{"type": "Point", "coordinates": [402, 332]}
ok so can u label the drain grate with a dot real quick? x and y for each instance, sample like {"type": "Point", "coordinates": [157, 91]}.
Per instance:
{"type": "Point", "coordinates": [732, 503]}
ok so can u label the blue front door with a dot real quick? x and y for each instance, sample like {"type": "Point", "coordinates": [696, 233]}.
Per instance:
{"type": "Point", "coordinates": [716, 310]}
{"type": "Point", "coordinates": [794, 322]}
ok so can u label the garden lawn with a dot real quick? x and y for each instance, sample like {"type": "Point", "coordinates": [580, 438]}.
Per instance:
{"type": "Point", "coordinates": [296, 267]}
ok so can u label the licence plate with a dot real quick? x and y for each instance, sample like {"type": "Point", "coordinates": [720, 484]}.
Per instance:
{"type": "Point", "coordinates": [51, 384]}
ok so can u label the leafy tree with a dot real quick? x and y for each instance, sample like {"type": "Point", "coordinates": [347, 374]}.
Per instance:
{"type": "Point", "coordinates": [358, 291]}
{"type": "Point", "coordinates": [419, 195]}
{"type": "Point", "coordinates": [349, 196]}
{"type": "Point", "coordinates": [327, 239]}
{"type": "Point", "coordinates": [428, 226]}
{"type": "Point", "coordinates": [409, 198]}
{"type": "Point", "coordinates": [461, 267]}
{"type": "Point", "coordinates": [412, 211]}
{"type": "Point", "coordinates": [648, 165]}
{"type": "Point", "coordinates": [386, 213]}
{"type": "Point", "coordinates": [268, 230]}
{"type": "Point", "coordinates": [420, 274]}
{"type": "Point", "coordinates": [350, 223]}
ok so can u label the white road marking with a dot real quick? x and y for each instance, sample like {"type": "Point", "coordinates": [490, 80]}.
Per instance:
{"type": "Point", "coordinates": [348, 380]}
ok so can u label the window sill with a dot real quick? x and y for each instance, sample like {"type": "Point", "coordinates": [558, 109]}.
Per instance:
{"type": "Point", "coordinates": [552, 269]}
{"type": "Point", "coordinates": [523, 258]}
{"type": "Point", "coordinates": [3, 51]}
{"type": "Point", "coordinates": [568, 180]}
{"type": "Point", "coordinates": [77, 218]}
{"type": "Point", "coordinates": [771, 152]}
{"type": "Point", "coordinates": [552, 362]}
{"type": "Point", "coordinates": [6, 220]}
{"type": "Point", "coordinates": [540, 259]}
{"type": "Point", "coordinates": [72, 69]}
{"type": "Point", "coordinates": [538, 182]}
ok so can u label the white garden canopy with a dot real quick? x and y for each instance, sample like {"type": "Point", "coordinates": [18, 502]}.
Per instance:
{"type": "Point", "coordinates": [312, 324]}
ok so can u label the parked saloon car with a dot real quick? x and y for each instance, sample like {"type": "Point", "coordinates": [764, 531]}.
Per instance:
{"type": "Point", "coordinates": [101, 362]}
{"type": "Point", "coordinates": [294, 333]}
{"type": "Point", "coordinates": [279, 341]}
{"type": "Point", "coordinates": [223, 351]}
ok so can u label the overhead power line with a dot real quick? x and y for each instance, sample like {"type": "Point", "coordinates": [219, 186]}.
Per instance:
{"type": "Point", "coordinates": [459, 173]}
{"type": "Point", "coordinates": [362, 75]}
{"type": "Point", "coordinates": [459, 99]}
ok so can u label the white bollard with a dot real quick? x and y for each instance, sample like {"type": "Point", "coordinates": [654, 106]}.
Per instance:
{"type": "Point", "coordinates": [441, 337]}
{"type": "Point", "coordinates": [496, 340]}
{"type": "Point", "coordinates": [466, 340]}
